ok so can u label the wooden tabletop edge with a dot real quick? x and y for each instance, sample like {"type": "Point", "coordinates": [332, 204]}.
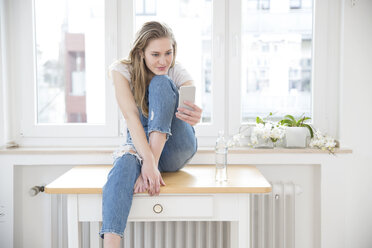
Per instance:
{"type": "Point", "coordinates": [227, 190]}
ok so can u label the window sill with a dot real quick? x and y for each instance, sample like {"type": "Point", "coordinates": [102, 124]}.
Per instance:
{"type": "Point", "coordinates": [249, 150]}
{"type": "Point", "coordinates": [201, 150]}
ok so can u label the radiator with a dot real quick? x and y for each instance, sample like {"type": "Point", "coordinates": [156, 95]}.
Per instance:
{"type": "Point", "coordinates": [180, 234]}
{"type": "Point", "coordinates": [170, 234]}
{"type": "Point", "coordinates": [273, 217]}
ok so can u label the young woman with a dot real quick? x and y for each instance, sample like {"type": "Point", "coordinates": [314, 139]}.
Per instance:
{"type": "Point", "coordinates": [160, 135]}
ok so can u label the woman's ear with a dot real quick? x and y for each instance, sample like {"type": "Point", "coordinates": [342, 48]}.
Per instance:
{"type": "Point", "coordinates": [142, 54]}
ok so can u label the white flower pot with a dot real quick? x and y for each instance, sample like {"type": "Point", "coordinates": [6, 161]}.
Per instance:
{"type": "Point", "coordinates": [245, 138]}
{"type": "Point", "coordinates": [264, 143]}
{"type": "Point", "coordinates": [296, 137]}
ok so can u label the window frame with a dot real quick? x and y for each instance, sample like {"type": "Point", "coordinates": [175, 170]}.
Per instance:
{"type": "Point", "coordinates": [27, 61]}
{"type": "Point", "coordinates": [3, 76]}
{"type": "Point", "coordinates": [205, 132]}
{"type": "Point", "coordinates": [17, 52]}
{"type": "Point", "coordinates": [324, 74]}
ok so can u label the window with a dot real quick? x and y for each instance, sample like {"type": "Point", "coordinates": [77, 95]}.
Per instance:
{"type": "Point", "coordinates": [295, 4]}
{"type": "Point", "coordinates": [247, 58]}
{"type": "Point", "coordinates": [70, 73]}
{"type": "Point", "coordinates": [263, 4]}
{"type": "Point", "coordinates": [273, 45]}
{"type": "Point", "coordinates": [146, 7]}
{"type": "Point", "coordinates": [200, 43]}
{"type": "Point", "coordinates": [191, 22]}
{"type": "Point", "coordinates": [67, 57]}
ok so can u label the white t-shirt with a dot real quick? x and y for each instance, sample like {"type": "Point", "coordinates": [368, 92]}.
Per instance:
{"type": "Point", "coordinates": [177, 73]}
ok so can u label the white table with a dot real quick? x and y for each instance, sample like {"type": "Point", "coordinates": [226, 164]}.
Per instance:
{"type": "Point", "coordinates": [190, 194]}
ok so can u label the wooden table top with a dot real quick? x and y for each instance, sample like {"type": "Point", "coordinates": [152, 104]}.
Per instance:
{"type": "Point", "coordinates": [195, 179]}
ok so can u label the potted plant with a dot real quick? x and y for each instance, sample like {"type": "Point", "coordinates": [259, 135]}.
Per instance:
{"type": "Point", "coordinates": [297, 131]}
{"type": "Point", "coordinates": [266, 133]}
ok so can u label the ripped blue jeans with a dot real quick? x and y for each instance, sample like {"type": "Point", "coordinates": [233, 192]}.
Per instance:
{"type": "Point", "coordinates": [180, 147]}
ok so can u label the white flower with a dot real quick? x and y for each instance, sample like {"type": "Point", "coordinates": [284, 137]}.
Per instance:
{"type": "Point", "coordinates": [277, 132]}
{"type": "Point", "coordinates": [230, 143]}
{"type": "Point", "coordinates": [322, 142]}
{"type": "Point", "coordinates": [235, 140]}
{"type": "Point", "coordinates": [267, 131]}
{"type": "Point", "coordinates": [254, 140]}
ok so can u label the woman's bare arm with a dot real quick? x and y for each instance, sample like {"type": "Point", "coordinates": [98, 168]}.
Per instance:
{"type": "Point", "coordinates": [187, 83]}
{"type": "Point", "coordinates": [130, 112]}
{"type": "Point", "coordinates": [128, 107]}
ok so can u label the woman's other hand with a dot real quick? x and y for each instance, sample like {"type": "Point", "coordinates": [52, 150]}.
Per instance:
{"type": "Point", "coordinates": [139, 186]}
{"type": "Point", "coordinates": [190, 116]}
{"type": "Point", "coordinates": [151, 178]}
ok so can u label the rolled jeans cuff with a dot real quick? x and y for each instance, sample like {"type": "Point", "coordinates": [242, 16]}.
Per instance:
{"type": "Point", "coordinates": [161, 130]}
{"type": "Point", "coordinates": [101, 233]}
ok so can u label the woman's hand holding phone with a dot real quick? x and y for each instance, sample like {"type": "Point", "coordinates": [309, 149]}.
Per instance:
{"type": "Point", "coordinates": [187, 110]}
{"type": "Point", "coordinates": [190, 116]}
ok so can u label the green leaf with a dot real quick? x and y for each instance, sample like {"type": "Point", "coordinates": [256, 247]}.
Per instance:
{"type": "Point", "coordinates": [286, 122]}
{"type": "Point", "coordinates": [259, 120]}
{"type": "Point", "coordinates": [274, 140]}
{"type": "Point", "coordinates": [310, 129]}
{"type": "Point", "coordinates": [290, 117]}
{"type": "Point", "coordinates": [299, 122]}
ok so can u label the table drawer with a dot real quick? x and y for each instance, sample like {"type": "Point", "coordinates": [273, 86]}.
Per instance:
{"type": "Point", "coordinates": [185, 206]}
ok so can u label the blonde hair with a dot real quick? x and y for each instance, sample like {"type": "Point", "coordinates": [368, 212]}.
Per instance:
{"type": "Point", "coordinates": [140, 74]}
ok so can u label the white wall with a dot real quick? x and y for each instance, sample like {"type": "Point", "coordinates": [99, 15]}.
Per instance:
{"type": "Point", "coordinates": [32, 214]}
{"type": "Point", "coordinates": [307, 177]}
{"type": "Point", "coordinates": [3, 96]}
{"type": "Point", "coordinates": [356, 118]}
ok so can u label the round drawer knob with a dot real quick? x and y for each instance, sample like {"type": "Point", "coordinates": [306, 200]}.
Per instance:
{"type": "Point", "coordinates": [158, 208]}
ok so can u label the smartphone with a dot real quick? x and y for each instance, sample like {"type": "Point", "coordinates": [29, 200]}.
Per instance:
{"type": "Point", "coordinates": [187, 93]}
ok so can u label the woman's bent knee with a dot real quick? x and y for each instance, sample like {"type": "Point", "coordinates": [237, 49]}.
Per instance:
{"type": "Point", "coordinates": [162, 84]}
{"type": "Point", "coordinates": [161, 79]}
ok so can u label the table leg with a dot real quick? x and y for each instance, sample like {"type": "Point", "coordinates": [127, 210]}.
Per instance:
{"type": "Point", "coordinates": [234, 234]}
{"type": "Point", "coordinates": [240, 229]}
{"type": "Point", "coordinates": [73, 222]}
{"type": "Point", "coordinates": [94, 237]}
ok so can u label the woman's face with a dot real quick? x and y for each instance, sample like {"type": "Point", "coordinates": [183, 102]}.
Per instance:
{"type": "Point", "coordinates": [159, 55]}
